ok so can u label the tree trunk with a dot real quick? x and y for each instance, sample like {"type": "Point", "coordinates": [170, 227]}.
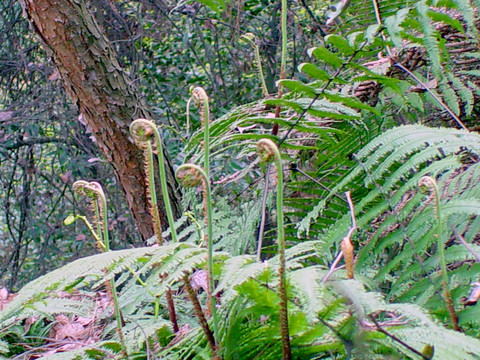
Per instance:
{"type": "Point", "coordinates": [106, 98]}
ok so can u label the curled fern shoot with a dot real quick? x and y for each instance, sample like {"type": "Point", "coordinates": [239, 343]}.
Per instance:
{"type": "Point", "coordinates": [142, 131]}
{"type": "Point", "coordinates": [143, 136]}
{"type": "Point", "coordinates": [81, 188]}
{"type": "Point", "coordinates": [94, 191]}
{"type": "Point", "coordinates": [252, 40]}
{"type": "Point", "coordinates": [200, 98]}
{"type": "Point", "coordinates": [70, 219]}
{"type": "Point", "coordinates": [190, 175]}
{"type": "Point", "coordinates": [430, 183]}
{"type": "Point", "coordinates": [268, 152]}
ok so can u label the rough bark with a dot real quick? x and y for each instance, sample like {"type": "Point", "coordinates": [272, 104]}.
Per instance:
{"type": "Point", "coordinates": [104, 95]}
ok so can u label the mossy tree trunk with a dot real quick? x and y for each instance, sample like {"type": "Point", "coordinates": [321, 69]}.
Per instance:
{"type": "Point", "coordinates": [103, 93]}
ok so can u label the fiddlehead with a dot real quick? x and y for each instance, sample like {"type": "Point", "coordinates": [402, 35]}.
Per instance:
{"type": "Point", "coordinates": [200, 98]}
{"type": "Point", "coordinates": [252, 40]}
{"type": "Point", "coordinates": [83, 188]}
{"type": "Point", "coordinates": [190, 175]}
{"type": "Point", "coordinates": [268, 152]}
{"type": "Point", "coordinates": [144, 132]}
{"type": "Point", "coordinates": [93, 190]}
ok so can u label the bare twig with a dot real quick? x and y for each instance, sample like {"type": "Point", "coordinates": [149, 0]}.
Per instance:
{"type": "Point", "coordinates": [464, 243]}
{"type": "Point", "coordinates": [333, 267]}
{"type": "Point", "coordinates": [394, 338]}
{"type": "Point", "coordinates": [437, 99]}
{"type": "Point", "coordinates": [294, 167]}
{"type": "Point", "coordinates": [352, 215]}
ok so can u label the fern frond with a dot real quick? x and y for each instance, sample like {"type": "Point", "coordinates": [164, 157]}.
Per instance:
{"type": "Point", "coordinates": [414, 328]}
{"type": "Point", "coordinates": [311, 294]}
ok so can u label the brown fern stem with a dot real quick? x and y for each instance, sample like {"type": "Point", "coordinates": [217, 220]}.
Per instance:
{"type": "Point", "coordinates": [197, 308]}
{"type": "Point", "coordinates": [172, 315]}
{"type": "Point", "coordinates": [205, 239]}
{"type": "Point", "coordinates": [152, 208]}
{"type": "Point", "coordinates": [451, 310]}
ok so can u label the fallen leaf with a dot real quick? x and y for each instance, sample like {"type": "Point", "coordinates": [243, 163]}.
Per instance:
{"type": "Point", "coordinates": [80, 237]}
{"type": "Point", "coordinates": [474, 295]}
{"type": "Point", "coordinates": [199, 280]}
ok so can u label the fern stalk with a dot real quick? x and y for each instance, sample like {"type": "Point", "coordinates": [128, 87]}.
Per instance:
{"type": "Point", "coordinates": [431, 184]}
{"type": "Point", "coordinates": [94, 191]}
{"type": "Point", "coordinates": [201, 99]}
{"type": "Point", "coordinates": [157, 225]}
{"type": "Point", "coordinates": [96, 220]}
{"type": "Point", "coordinates": [190, 175]}
{"type": "Point", "coordinates": [172, 315]}
{"type": "Point", "coordinates": [268, 152]}
{"type": "Point", "coordinates": [142, 130]}
{"type": "Point", "coordinates": [188, 116]}
{"type": "Point", "coordinates": [263, 215]}
{"type": "Point", "coordinates": [252, 40]}
{"type": "Point", "coordinates": [283, 60]}
{"type": "Point", "coordinates": [197, 308]}
{"type": "Point", "coordinates": [102, 206]}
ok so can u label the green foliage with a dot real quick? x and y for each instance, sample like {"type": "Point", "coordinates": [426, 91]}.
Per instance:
{"type": "Point", "coordinates": [320, 321]}
{"type": "Point", "coordinates": [333, 318]}
{"type": "Point", "coordinates": [216, 5]}
{"type": "Point", "coordinates": [397, 242]}
{"type": "Point", "coordinates": [332, 134]}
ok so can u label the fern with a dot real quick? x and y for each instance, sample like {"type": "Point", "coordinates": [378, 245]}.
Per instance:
{"type": "Point", "coordinates": [249, 306]}
{"type": "Point", "coordinates": [394, 251]}
{"type": "Point", "coordinates": [322, 119]}
{"type": "Point", "coordinates": [414, 327]}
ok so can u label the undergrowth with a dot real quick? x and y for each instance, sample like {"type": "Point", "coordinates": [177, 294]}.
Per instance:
{"type": "Point", "coordinates": [404, 203]}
